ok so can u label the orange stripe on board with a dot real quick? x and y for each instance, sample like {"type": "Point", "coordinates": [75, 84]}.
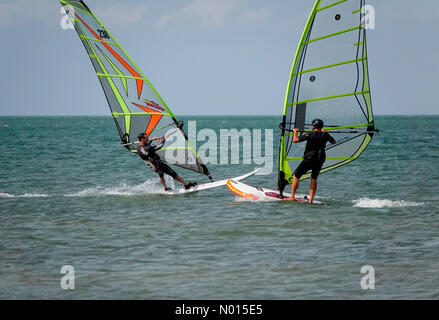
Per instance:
{"type": "Point", "coordinates": [123, 62]}
{"type": "Point", "coordinates": [240, 193]}
{"type": "Point", "coordinates": [155, 118]}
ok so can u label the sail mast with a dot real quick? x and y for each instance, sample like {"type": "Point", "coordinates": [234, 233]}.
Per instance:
{"type": "Point", "coordinates": [283, 165]}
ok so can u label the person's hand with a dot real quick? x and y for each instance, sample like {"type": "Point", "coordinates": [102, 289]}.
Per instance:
{"type": "Point", "coordinates": [166, 136]}
{"type": "Point", "coordinates": [296, 130]}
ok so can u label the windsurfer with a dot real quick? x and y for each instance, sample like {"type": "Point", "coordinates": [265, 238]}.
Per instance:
{"type": "Point", "coordinates": [147, 152]}
{"type": "Point", "coordinates": [313, 158]}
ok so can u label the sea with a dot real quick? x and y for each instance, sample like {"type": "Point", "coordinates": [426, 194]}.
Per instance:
{"type": "Point", "coordinates": [82, 218]}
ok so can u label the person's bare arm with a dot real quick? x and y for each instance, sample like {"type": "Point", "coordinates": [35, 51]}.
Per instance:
{"type": "Point", "coordinates": [161, 142]}
{"type": "Point", "coordinates": [296, 137]}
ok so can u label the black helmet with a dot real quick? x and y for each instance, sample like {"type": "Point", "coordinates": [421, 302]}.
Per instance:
{"type": "Point", "coordinates": [317, 123]}
{"type": "Point", "coordinates": [142, 135]}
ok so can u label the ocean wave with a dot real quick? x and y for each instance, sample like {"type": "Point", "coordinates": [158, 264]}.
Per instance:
{"type": "Point", "coordinates": [379, 203]}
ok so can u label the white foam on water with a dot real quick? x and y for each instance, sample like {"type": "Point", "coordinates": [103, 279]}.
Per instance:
{"type": "Point", "coordinates": [34, 195]}
{"type": "Point", "coordinates": [151, 186]}
{"type": "Point", "coordinates": [148, 187]}
{"type": "Point", "coordinates": [26, 195]}
{"type": "Point", "coordinates": [6, 195]}
{"type": "Point", "coordinates": [378, 203]}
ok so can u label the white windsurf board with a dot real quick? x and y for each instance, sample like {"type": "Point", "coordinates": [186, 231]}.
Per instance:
{"type": "Point", "coordinates": [210, 185]}
{"type": "Point", "coordinates": [258, 193]}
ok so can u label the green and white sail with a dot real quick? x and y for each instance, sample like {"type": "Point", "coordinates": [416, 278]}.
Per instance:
{"type": "Point", "coordinates": [330, 81]}
{"type": "Point", "coordinates": [135, 105]}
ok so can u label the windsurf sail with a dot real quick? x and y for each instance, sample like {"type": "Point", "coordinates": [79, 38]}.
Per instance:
{"type": "Point", "coordinates": [134, 103]}
{"type": "Point", "coordinates": [329, 80]}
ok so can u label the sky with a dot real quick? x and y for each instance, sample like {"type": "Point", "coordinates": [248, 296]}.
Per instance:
{"type": "Point", "coordinates": [206, 57]}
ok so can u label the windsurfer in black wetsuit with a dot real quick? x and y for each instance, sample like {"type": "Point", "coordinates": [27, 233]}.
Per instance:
{"type": "Point", "coordinates": [148, 153]}
{"type": "Point", "coordinates": [313, 158]}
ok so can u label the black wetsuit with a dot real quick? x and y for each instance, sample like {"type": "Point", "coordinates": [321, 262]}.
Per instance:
{"type": "Point", "coordinates": [315, 154]}
{"type": "Point", "coordinates": [148, 153]}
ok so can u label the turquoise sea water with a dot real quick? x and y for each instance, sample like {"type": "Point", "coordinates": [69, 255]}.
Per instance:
{"type": "Point", "coordinates": [69, 195]}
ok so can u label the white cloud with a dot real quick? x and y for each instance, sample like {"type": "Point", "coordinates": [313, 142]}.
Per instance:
{"type": "Point", "coordinates": [33, 11]}
{"type": "Point", "coordinates": [27, 11]}
{"type": "Point", "coordinates": [257, 16]}
{"type": "Point", "coordinates": [122, 14]}
{"type": "Point", "coordinates": [428, 12]}
{"type": "Point", "coordinates": [211, 13]}
{"type": "Point", "coordinates": [163, 20]}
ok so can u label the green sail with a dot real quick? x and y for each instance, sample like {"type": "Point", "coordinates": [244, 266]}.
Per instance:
{"type": "Point", "coordinates": [134, 103]}
{"type": "Point", "coordinates": [330, 81]}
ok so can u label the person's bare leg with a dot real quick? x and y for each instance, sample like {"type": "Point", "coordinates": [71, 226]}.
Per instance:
{"type": "Point", "coordinates": [180, 179]}
{"type": "Point", "coordinates": [162, 180]}
{"type": "Point", "coordinates": [294, 187]}
{"type": "Point", "coordinates": [312, 189]}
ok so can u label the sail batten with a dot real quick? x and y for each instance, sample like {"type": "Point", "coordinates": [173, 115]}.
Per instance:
{"type": "Point", "coordinates": [329, 80]}
{"type": "Point", "coordinates": [97, 40]}
{"type": "Point", "coordinates": [134, 103]}
{"type": "Point", "coordinates": [331, 5]}
{"type": "Point", "coordinates": [330, 66]}
{"type": "Point", "coordinates": [118, 76]}
{"type": "Point", "coordinates": [327, 98]}
{"type": "Point", "coordinates": [333, 34]}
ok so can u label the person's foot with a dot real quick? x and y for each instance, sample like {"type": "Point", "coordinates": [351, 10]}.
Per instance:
{"type": "Point", "coordinates": [190, 185]}
{"type": "Point", "coordinates": [168, 189]}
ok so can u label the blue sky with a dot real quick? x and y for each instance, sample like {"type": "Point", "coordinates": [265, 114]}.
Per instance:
{"type": "Point", "coordinates": [213, 57]}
